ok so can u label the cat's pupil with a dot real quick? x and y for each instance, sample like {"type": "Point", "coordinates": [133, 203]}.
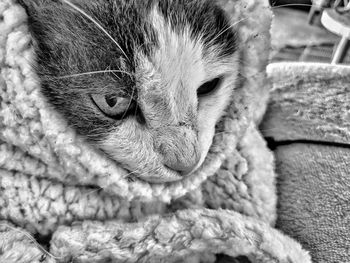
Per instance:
{"type": "Point", "coordinates": [208, 87]}
{"type": "Point", "coordinates": [111, 100]}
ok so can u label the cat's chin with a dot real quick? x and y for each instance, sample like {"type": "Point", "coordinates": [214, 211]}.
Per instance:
{"type": "Point", "coordinates": [162, 175]}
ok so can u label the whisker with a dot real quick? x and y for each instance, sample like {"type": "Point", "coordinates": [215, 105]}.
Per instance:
{"type": "Point", "coordinates": [94, 72]}
{"type": "Point", "coordinates": [288, 5]}
{"type": "Point", "coordinates": [151, 170]}
{"type": "Point", "coordinates": [32, 239]}
{"type": "Point", "coordinates": [243, 19]}
{"type": "Point", "coordinates": [94, 191]}
{"type": "Point", "coordinates": [115, 75]}
{"type": "Point", "coordinates": [227, 28]}
{"type": "Point", "coordinates": [125, 176]}
{"type": "Point", "coordinates": [96, 23]}
{"type": "Point", "coordinates": [109, 68]}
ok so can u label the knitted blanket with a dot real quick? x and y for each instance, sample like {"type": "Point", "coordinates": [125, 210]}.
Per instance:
{"type": "Point", "coordinates": [58, 191]}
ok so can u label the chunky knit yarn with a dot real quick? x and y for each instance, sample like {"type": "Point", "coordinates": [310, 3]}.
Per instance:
{"type": "Point", "coordinates": [57, 188]}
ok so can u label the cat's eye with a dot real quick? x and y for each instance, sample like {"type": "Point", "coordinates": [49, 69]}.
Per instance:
{"type": "Point", "coordinates": [208, 87]}
{"type": "Point", "coordinates": [113, 106]}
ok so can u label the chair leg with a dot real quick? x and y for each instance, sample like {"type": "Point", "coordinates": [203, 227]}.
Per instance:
{"type": "Point", "coordinates": [341, 50]}
{"type": "Point", "coordinates": [313, 12]}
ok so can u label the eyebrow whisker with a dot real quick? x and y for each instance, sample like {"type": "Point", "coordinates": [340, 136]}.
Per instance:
{"type": "Point", "coordinates": [94, 72]}
{"type": "Point", "coordinates": [96, 23]}
{"type": "Point", "coordinates": [229, 27]}
{"type": "Point", "coordinates": [290, 5]}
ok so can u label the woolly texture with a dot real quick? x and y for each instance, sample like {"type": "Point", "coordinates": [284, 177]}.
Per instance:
{"type": "Point", "coordinates": [309, 119]}
{"type": "Point", "coordinates": [50, 178]}
{"type": "Point", "coordinates": [323, 88]}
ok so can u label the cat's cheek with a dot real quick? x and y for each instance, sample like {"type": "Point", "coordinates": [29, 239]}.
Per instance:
{"type": "Point", "coordinates": [129, 145]}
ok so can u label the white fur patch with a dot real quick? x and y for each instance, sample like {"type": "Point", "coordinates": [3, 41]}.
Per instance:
{"type": "Point", "coordinates": [168, 83]}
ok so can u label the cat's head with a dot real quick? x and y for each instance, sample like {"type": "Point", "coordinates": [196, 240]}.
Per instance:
{"type": "Point", "coordinates": [145, 81]}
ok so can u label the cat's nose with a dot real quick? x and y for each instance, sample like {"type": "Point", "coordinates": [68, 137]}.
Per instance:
{"type": "Point", "coordinates": [179, 148]}
{"type": "Point", "coordinates": [182, 158]}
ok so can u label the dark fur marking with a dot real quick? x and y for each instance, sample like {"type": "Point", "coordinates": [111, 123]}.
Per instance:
{"type": "Point", "coordinates": [68, 43]}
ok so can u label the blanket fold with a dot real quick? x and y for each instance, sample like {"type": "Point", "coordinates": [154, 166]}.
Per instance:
{"type": "Point", "coordinates": [175, 237]}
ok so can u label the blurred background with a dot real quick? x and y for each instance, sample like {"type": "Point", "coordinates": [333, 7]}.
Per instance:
{"type": "Point", "coordinates": [299, 4]}
{"type": "Point", "coordinates": [301, 32]}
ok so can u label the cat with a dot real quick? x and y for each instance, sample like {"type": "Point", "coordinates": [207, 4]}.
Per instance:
{"type": "Point", "coordinates": [144, 81]}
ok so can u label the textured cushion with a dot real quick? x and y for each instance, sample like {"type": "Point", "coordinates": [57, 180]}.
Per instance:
{"type": "Point", "coordinates": [314, 194]}
{"type": "Point", "coordinates": [308, 124]}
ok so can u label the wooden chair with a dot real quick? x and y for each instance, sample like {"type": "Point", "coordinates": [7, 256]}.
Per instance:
{"type": "Point", "coordinates": [317, 8]}
{"type": "Point", "coordinates": [338, 24]}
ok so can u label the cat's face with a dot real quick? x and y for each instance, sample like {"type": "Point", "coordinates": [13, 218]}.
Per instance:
{"type": "Point", "coordinates": [148, 95]}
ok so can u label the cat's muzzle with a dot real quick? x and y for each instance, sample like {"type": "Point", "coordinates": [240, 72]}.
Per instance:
{"type": "Point", "coordinates": [179, 148]}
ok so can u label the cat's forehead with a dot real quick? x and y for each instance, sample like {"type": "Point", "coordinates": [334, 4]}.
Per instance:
{"type": "Point", "coordinates": [202, 20]}
{"type": "Point", "coordinates": [189, 36]}
{"type": "Point", "coordinates": [177, 55]}
{"type": "Point", "coordinates": [199, 20]}
{"type": "Point", "coordinates": [172, 34]}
